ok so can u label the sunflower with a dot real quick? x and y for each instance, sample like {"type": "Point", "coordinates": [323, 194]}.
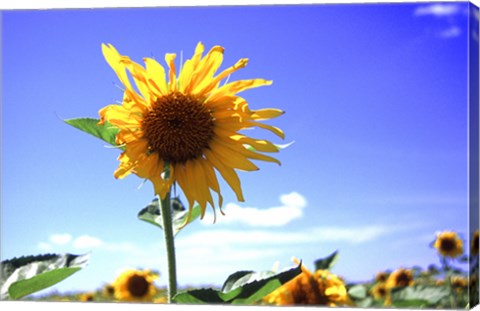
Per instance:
{"type": "Point", "coordinates": [186, 130]}
{"type": "Point", "coordinates": [400, 278]}
{"type": "Point", "coordinates": [319, 288]}
{"type": "Point", "coordinates": [381, 276]}
{"type": "Point", "coordinates": [474, 250]}
{"type": "Point", "coordinates": [86, 297]}
{"type": "Point", "coordinates": [160, 300]}
{"type": "Point", "coordinates": [135, 285]}
{"type": "Point", "coordinates": [380, 291]}
{"type": "Point", "coordinates": [458, 283]}
{"type": "Point", "coordinates": [108, 290]}
{"type": "Point", "coordinates": [449, 244]}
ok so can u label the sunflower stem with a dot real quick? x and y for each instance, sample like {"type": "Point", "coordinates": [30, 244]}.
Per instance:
{"type": "Point", "coordinates": [169, 245]}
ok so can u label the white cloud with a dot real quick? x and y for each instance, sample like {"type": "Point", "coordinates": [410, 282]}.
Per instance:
{"type": "Point", "coordinates": [451, 32]}
{"type": "Point", "coordinates": [232, 250]}
{"type": "Point", "coordinates": [60, 239]}
{"type": "Point", "coordinates": [44, 246]}
{"type": "Point", "coordinates": [438, 9]}
{"type": "Point", "coordinates": [223, 238]}
{"type": "Point", "coordinates": [291, 208]}
{"type": "Point", "coordinates": [352, 235]}
{"type": "Point", "coordinates": [448, 13]}
{"type": "Point", "coordinates": [293, 199]}
{"type": "Point", "coordinates": [86, 241]}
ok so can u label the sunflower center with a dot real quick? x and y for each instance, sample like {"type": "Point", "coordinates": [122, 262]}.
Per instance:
{"type": "Point", "coordinates": [178, 127]}
{"type": "Point", "coordinates": [403, 279]}
{"type": "Point", "coordinates": [447, 245]}
{"type": "Point", "coordinates": [137, 286]}
{"type": "Point", "coordinates": [382, 291]}
{"type": "Point", "coordinates": [307, 291]}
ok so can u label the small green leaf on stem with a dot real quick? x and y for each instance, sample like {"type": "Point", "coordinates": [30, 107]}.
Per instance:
{"type": "Point", "coordinates": [152, 214]}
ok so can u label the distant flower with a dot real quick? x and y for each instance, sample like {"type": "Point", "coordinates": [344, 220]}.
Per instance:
{"type": "Point", "coordinates": [474, 250]}
{"type": "Point", "coordinates": [449, 244]}
{"type": "Point", "coordinates": [381, 276]}
{"type": "Point", "coordinates": [400, 278]}
{"type": "Point", "coordinates": [135, 285]}
{"type": "Point", "coordinates": [189, 125]}
{"type": "Point", "coordinates": [319, 288]}
{"type": "Point", "coordinates": [86, 297]}
{"type": "Point", "coordinates": [380, 291]}
{"type": "Point", "coordinates": [458, 283]}
{"type": "Point", "coordinates": [160, 300]}
{"type": "Point", "coordinates": [108, 290]}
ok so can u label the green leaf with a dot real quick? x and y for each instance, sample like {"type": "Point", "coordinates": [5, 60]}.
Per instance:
{"type": "Point", "coordinates": [430, 295]}
{"type": "Point", "coordinates": [326, 263]}
{"type": "Point", "coordinates": [26, 275]}
{"type": "Point", "coordinates": [106, 132]}
{"type": "Point", "coordinates": [243, 287]}
{"type": "Point", "coordinates": [152, 214]}
{"type": "Point", "coordinates": [357, 292]}
{"type": "Point", "coordinates": [414, 303]}
{"type": "Point", "coordinates": [365, 303]}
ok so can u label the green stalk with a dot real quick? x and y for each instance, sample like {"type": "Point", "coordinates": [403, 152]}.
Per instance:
{"type": "Point", "coordinates": [448, 276]}
{"type": "Point", "coordinates": [166, 212]}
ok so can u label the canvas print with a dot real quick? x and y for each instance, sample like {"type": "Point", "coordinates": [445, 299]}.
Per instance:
{"type": "Point", "coordinates": [319, 155]}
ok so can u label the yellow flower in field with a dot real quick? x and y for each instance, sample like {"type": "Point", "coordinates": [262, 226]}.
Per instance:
{"type": "Point", "coordinates": [449, 244]}
{"type": "Point", "coordinates": [458, 283]}
{"type": "Point", "coordinates": [86, 297]}
{"type": "Point", "coordinates": [160, 300]}
{"type": "Point", "coordinates": [189, 125]}
{"type": "Point", "coordinates": [135, 285]}
{"type": "Point", "coordinates": [400, 277]}
{"type": "Point", "coordinates": [108, 290]}
{"type": "Point", "coordinates": [380, 291]}
{"type": "Point", "coordinates": [319, 288]}
{"type": "Point", "coordinates": [474, 250]}
{"type": "Point", "coordinates": [381, 276]}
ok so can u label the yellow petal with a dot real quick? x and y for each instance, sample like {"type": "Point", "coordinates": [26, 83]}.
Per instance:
{"type": "Point", "coordinates": [202, 183]}
{"type": "Point", "coordinates": [238, 86]}
{"type": "Point", "coordinates": [120, 116]}
{"type": "Point", "coordinates": [216, 81]}
{"type": "Point", "coordinates": [258, 144]}
{"type": "Point", "coordinates": [227, 173]}
{"type": "Point", "coordinates": [139, 76]}
{"type": "Point", "coordinates": [184, 183]}
{"type": "Point", "coordinates": [189, 67]}
{"type": "Point", "coordinates": [156, 76]}
{"type": "Point", "coordinates": [265, 114]}
{"type": "Point", "coordinates": [211, 179]}
{"type": "Point", "coordinates": [125, 167]}
{"type": "Point", "coordinates": [149, 167]}
{"type": "Point", "coordinates": [162, 186]}
{"type": "Point", "coordinates": [273, 129]}
{"type": "Point", "coordinates": [170, 59]}
{"type": "Point", "coordinates": [230, 157]}
{"type": "Point", "coordinates": [240, 149]}
{"type": "Point", "coordinates": [203, 73]}
{"type": "Point", "coordinates": [114, 59]}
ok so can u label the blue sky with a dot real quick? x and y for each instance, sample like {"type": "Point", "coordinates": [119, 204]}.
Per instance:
{"type": "Point", "coordinates": [376, 104]}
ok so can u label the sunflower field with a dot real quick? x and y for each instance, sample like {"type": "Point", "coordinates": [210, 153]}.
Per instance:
{"type": "Point", "coordinates": [441, 285]}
